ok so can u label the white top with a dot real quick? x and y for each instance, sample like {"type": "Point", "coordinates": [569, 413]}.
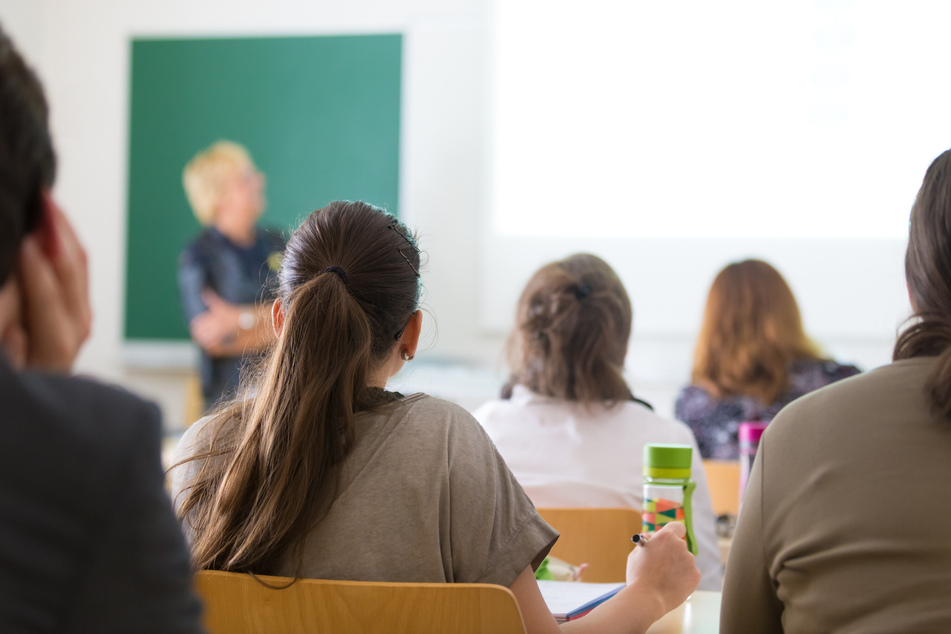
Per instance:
{"type": "Point", "coordinates": [567, 454]}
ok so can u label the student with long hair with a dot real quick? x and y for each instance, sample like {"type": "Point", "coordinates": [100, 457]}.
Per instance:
{"type": "Point", "coordinates": [752, 358]}
{"type": "Point", "coordinates": [567, 424]}
{"type": "Point", "coordinates": [845, 521]}
{"type": "Point", "coordinates": [320, 472]}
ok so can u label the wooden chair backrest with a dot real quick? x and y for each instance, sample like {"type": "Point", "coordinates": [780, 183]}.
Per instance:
{"type": "Point", "coordinates": [723, 478]}
{"type": "Point", "coordinates": [598, 537]}
{"type": "Point", "coordinates": [240, 604]}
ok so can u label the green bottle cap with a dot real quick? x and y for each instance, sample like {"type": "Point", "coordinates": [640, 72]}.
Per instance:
{"type": "Point", "coordinates": [667, 461]}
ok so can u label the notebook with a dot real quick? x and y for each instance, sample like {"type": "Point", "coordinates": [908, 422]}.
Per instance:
{"type": "Point", "coordinates": [570, 600]}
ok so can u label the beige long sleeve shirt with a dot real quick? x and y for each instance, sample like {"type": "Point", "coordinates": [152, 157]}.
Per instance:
{"type": "Point", "coordinates": [846, 522]}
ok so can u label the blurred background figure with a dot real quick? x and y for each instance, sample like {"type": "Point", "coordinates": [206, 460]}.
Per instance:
{"type": "Point", "coordinates": [226, 274]}
{"type": "Point", "coordinates": [567, 424]}
{"type": "Point", "coordinates": [752, 358]}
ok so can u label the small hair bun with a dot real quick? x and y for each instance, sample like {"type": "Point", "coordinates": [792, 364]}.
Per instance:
{"type": "Point", "coordinates": [583, 291]}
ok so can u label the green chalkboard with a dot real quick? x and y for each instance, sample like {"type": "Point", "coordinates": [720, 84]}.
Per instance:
{"type": "Point", "coordinates": [320, 116]}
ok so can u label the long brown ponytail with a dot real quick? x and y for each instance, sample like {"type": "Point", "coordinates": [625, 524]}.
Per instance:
{"type": "Point", "coordinates": [928, 273]}
{"type": "Point", "coordinates": [573, 323]}
{"type": "Point", "coordinates": [349, 284]}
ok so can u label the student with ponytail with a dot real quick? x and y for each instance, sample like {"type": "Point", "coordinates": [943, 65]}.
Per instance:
{"type": "Point", "coordinates": [318, 471]}
{"type": "Point", "coordinates": [567, 424]}
{"type": "Point", "coordinates": [845, 523]}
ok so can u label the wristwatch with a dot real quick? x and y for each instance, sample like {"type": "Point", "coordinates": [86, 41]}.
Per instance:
{"type": "Point", "coordinates": [246, 320]}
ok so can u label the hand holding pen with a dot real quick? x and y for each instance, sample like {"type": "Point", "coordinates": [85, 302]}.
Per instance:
{"type": "Point", "coordinates": [666, 573]}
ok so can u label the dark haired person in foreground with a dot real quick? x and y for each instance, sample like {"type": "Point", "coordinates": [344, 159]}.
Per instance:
{"type": "Point", "coordinates": [88, 541]}
{"type": "Point", "coordinates": [846, 525]}
{"type": "Point", "coordinates": [321, 472]}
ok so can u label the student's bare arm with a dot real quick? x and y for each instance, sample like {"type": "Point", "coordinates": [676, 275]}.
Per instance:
{"type": "Point", "coordinates": [660, 576]}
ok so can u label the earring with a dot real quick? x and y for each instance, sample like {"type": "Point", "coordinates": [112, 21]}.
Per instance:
{"type": "Point", "coordinates": [406, 357]}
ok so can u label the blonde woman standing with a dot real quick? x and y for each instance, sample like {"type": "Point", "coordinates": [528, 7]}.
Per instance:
{"type": "Point", "coordinates": [226, 274]}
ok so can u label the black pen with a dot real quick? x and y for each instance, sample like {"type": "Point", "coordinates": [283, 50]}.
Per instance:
{"type": "Point", "coordinates": [640, 539]}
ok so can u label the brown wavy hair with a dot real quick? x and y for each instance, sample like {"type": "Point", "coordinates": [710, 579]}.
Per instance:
{"type": "Point", "coordinates": [573, 323]}
{"type": "Point", "coordinates": [348, 286]}
{"type": "Point", "coordinates": [751, 332]}
{"type": "Point", "coordinates": [928, 273]}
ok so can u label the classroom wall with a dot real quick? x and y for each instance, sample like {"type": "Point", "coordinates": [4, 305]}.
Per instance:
{"type": "Point", "coordinates": [81, 50]}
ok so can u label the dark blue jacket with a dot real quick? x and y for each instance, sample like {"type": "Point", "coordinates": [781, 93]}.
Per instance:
{"type": "Point", "coordinates": [238, 275]}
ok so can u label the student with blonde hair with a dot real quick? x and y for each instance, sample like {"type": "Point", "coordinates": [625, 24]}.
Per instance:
{"type": "Point", "coordinates": [752, 358]}
{"type": "Point", "coordinates": [567, 424]}
{"type": "Point", "coordinates": [319, 471]}
{"type": "Point", "coordinates": [225, 275]}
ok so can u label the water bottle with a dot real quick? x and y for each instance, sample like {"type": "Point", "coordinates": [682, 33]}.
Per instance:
{"type": "Point", "coordinates": [668, 489]}
{"type": "Point", "coordinates": [749, 434]}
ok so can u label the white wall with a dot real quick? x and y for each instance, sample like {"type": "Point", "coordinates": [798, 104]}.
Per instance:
{"type": "Point", "coordinates": [81, 50]}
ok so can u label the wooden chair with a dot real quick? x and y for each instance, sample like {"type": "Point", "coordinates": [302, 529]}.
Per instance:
{"type": "Point", "coordinates": [600, 538]}
{"type": "Point", "coordinates": [723, 478]}
{"type": "Point", "coordinates": [239, 604]}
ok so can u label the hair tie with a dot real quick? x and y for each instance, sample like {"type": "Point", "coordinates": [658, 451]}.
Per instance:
{"type": "Point", "coordinates": [339, 271]}
{"type": "Point", "coordinates": [583, 291]}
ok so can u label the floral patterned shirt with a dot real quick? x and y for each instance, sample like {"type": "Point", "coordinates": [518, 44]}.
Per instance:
{"type": "Point", "coordinates": [715, 421]}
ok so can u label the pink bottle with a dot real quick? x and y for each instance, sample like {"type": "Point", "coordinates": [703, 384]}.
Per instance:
{"type": "Point", "coordinates": [749, 435]}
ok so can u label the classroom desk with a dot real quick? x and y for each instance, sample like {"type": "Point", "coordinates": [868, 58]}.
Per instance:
{"type": "Point", "coordinates": [699, 615]}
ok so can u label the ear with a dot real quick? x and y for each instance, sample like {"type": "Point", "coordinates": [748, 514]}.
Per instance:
{"type": "Point", "coordinates": [410, 339]}
{"type": "Point", "coordinates": [277, 316]}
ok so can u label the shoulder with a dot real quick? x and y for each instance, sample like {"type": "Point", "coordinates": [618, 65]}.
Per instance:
{"type": "Point", "coordinates": [807, 375]}
{"type": "Point", "coordinates": [428, 421]}
{"type": "Point", "coordinates": [197, 437]}
{"type": "Point", "coordinates": [198, 249]}
{"type": "Point", "coordinates": [196, 440]}
{"type": "Point", "coordinates": [694, 393]}
{"type": "Point", "coordinates": [84, 436]}
{"type": "Point", "coordinates": [645, 422]}
{"type": "Point", "coordinates": [826, 368]}
{"type": "Point", "coordinates": [102, 418]}
{"type": "Point", "coordinates": [189, 458]}
{"type": "Point", "coordinates": [436, 412]}
{"type": "Point", "coordinates": [694, 401]}
{"type": "Point", "coordinates": [894, 387]}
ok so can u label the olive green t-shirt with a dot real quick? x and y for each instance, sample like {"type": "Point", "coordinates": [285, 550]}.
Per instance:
{"type": "Point", "coordinates": [846, 522]}
{"type": "Point", "coordinates": [423, 497]}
